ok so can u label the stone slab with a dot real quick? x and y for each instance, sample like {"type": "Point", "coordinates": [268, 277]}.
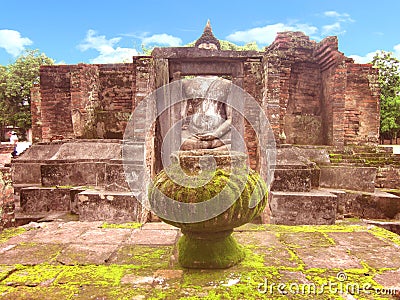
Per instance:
{"type": "Point", "coordinates": [360, 240]}
{"type": "Point", "coordinates": [157, 226]}
{"type": "Point", "coordinates": [101, 149]}
{"type": "Point", "coordinates": [328, 257]}
{"type": "Point", "coordinates": [133, 152]}
{"type": "Point", "coordinates": [316, 207]}
{"type": "Point", "coordinates": [291, 179]}
{"type": "Point", "coordinates": [391, 225]}
{"type": "Point", "coordinates": [60, 232]}
{"type": "Point", "coordinates": [153, 237]}
{"type": "Point", "coordinates": [348, 177]}
{"type": "Point", "coordinates": [105, 236]}
{"type": "Point", "coordinates": [26, 173]}
{"type": "Point", "coordinates": [110, 206]}
{"type": "Point", "coordinates": [73, 174]}
{"type": "Point", "coordinates": [44, 199]}
{"type": "Point", "coordinates": [86, 254]}
{"type": "Point", "coordinates": [259, 238]}
{"type": "Point", "coordinates": [126, 177]}
{"type": "Point", "coordinates": [376, 205]}
{"type": "Point", "coordinates": [153, 257]}
{"type": "Point", "coordinates": [389, 279]}
{"type": "Point", "coordinates": [30, 254]}
{"type": "Point", "coordinates": [306, 239]}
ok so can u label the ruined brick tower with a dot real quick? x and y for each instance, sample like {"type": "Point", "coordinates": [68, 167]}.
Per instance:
{"type": "Point", "coordinates": [311, 92]}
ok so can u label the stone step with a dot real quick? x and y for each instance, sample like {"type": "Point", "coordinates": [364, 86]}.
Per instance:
{"type": "Point", "coordinates": [73, 174]}
{"type": "Point", "coordinates": [122, 176]}
{"type": "Point", "coordinates": [317, 207]}
{"type": "Point", "coordinates": [348, 177]}
{"type": "Point", "coordinates": [19, 186]}
{"type": "Point", "coordinates": [375, 205]}
{"type": "Point", "coordinates": [110, 206]}
{"type": "Point", "coordinates": [292, 179]}
{"type": "Point", "coordinates": [61, 216]}
{"type": "Point", "coordinates": [21, 175]}
{"type": "Point", "coordinates": [133, 151]}
{"type": "Point", "coordinates": [391, 225]}
{"type": "Point", "coordinates": [45, 199]}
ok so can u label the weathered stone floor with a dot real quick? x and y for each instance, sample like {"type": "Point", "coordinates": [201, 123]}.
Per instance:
{"type": "Point", "coordinates": [92, 260]}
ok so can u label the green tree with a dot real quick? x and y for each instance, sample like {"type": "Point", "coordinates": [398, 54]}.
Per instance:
{"type": "Point", "coordinates": [16, 81]}
{"type": "Point", "coordinates": [389, 82]}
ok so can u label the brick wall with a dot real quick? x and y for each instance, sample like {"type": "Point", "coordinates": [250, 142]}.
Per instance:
{"type": "Point", "coordinates": [315, 95]}
{"type": "Point", "coordinates": [82, 101]}
{"type": "Point", "coordinates": [55, 105]}
{"type": "Point", "coordinates": [361, 118]}
{"type": "Point", "coordinates": [291, 84]}
{"type": "Point", "coordinates": [253, 84]}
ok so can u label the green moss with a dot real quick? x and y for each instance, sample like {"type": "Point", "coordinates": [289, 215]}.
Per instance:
{"type": "Point", "coordinates": [8, 233]}
{"type": "Point", "coordinates": [209, 253]}
{"type": "Point", "coordinates": [252, 260]}
{"type": "Point", "coordinates": [33, 276]}
{"type": "Point", "coordinates": [48, 293]}
{"type": "Point", "coordinates": [132, 225]}
{"type": "Point", "coordinates": [144, 257]}
{"type": "Point", "coordinates": [92, 274]}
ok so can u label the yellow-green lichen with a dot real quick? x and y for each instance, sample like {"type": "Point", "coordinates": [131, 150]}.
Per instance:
{"type": "Point", "coordinates": [385, 234]}
{"type": "Point", "coordinates": [8, 233]}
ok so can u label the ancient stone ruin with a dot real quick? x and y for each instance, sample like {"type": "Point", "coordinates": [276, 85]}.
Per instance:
{"type": "Point", "coordinates": [320, 104]}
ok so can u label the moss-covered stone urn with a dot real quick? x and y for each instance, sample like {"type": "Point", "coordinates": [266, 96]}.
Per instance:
{"type": "Point", "coordinates": [207, 193]}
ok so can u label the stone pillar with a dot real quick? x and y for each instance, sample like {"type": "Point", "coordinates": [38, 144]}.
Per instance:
{"type": "Point", "coordinates": [7, 205]}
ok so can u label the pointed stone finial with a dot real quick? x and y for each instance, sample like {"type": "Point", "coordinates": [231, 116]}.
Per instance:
{"type": "Point", "coordinates": [207, 39]}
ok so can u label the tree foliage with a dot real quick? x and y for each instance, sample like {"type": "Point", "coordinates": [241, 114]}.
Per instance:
{"type": "Point", "coordinates": [389, 81]}
{"type": "Point", "coordinates": [16, 81]}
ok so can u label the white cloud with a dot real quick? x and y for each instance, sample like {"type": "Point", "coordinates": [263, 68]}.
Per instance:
{"type": "Point", "coordinates": [336, 27]}
{"type": "Point", "coordinates": [397, 51]}
{"type": "Point", "coordinates": [363, 59]}
{"type": "Point", "coordinates": [118, 55]}
{"type": "Point", "coordinates": [344, 17]}
{"type": "Point", "coordinates": [266, 35]}
{"type": "Point", "coordinates": [367, 58]}
{"type": "Point", "coordinates": [332, 29]}
{"type": "Point", "coordinates": [162, 39]}
{"type": "Point", "coordinates": [108, 53]}
{"type": "Point", "coordinates": [13, 42]}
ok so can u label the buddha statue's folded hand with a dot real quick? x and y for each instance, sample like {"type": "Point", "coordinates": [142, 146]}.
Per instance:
{"type": "Point", "coordinates": [209, 136]}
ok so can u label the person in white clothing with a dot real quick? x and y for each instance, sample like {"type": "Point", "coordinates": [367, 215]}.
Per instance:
{"type": "Point", "coordinates": [14, 142]}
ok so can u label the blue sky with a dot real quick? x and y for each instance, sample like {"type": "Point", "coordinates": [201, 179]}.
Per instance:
{"type": "Point", "coordinates": [112, 31]}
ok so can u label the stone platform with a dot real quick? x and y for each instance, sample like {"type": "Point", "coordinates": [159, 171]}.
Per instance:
{"type": "Point", "coordinates": [96, 260]}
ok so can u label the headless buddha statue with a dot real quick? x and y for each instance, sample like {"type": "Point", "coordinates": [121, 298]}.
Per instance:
{"type": "Point", "coordinates": [209, 118]}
